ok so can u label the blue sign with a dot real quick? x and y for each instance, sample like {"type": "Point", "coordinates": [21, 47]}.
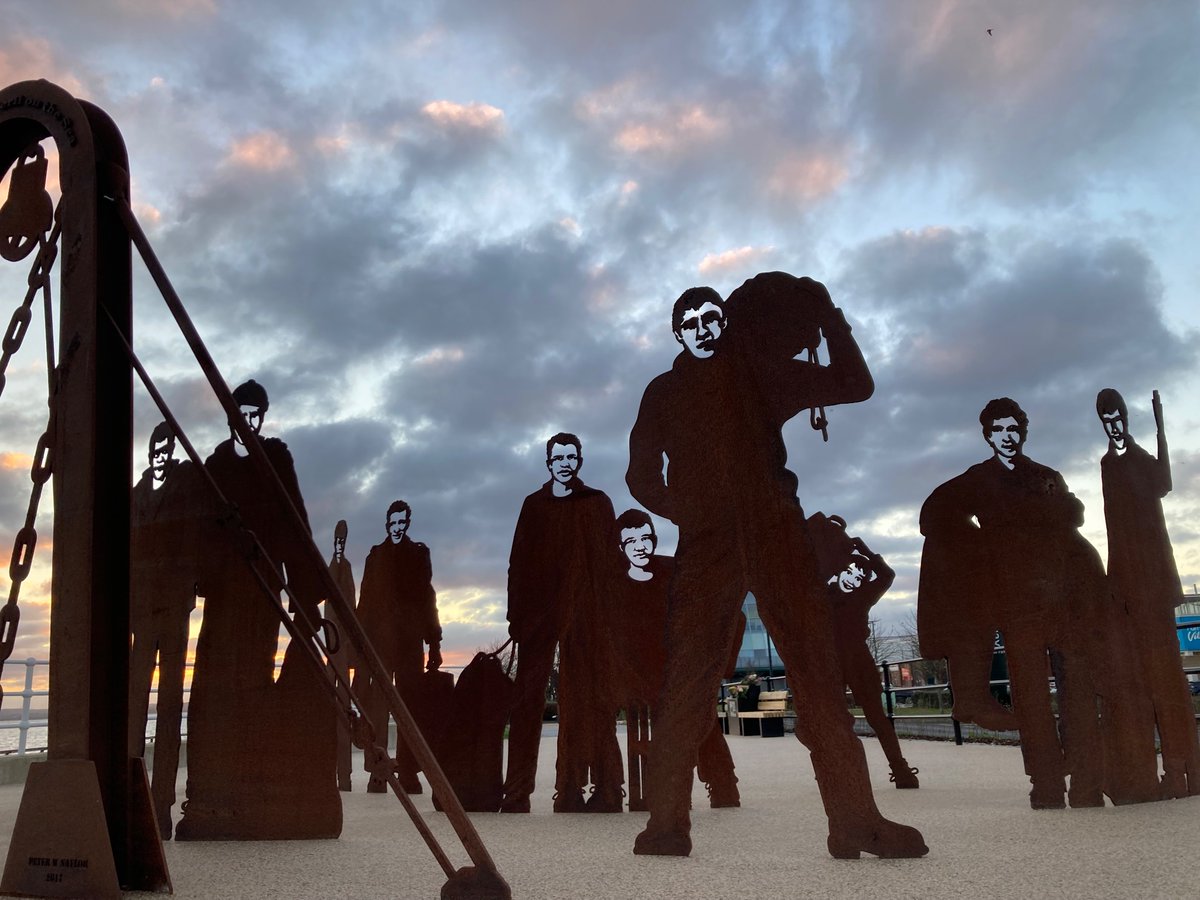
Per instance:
{"type": "Point", "coordinates": [1189, 636]}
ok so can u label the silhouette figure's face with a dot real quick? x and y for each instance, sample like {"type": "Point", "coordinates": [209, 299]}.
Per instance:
{"type": "Point", "coordinates": [1005, 437]}
{"type": "Point", "coordinates": [563, 463]}
{"type": "Point", "coordinates": [160, 455]}
{"type": "Point", "coordinates": [397, 526]}
{"type": "Point", "coordinates": [254, 418]}
{"type": "Point", "coordinates": [1114, 425]}
{"type": "Point", "coordinates": [638, 545]}
{"type": "Point", "coordinates": [850, 579]}
{"type": "Point", "coordinates": [700, 329]}
{"type": "Point", "coordinates": [339, 547]}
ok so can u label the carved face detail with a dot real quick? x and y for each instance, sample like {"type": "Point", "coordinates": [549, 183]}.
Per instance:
{"type": "Point", "coordinates": [254, 418]}
{"type": "Point", "coordinates": [638, 545]}
{"type": "Point", "coordinates": [700, 329]}
{"type": "Point", "coordinates": [563, 462]}
{"type": "Point", "coordinates": [850, 579]}
{"type": "Point", "coordinates": [160, 456]}
{"type": "Point", "coordinates": [1114, 425]}
{"type": "Point", "coordinates": [1005, 437]}
{"type": "Point", "coordinates": [397, 526]}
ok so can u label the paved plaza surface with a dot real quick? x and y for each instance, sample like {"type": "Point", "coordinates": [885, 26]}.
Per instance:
{"type": "Point", "coordinates": [972, 807]}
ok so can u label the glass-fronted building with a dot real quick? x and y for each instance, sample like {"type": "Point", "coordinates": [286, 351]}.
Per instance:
{"type": "Point", "coordinates": [757, 653]}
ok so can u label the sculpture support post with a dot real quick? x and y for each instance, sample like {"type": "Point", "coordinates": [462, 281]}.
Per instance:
{"type": "Point", "coordinates": [92, 446]}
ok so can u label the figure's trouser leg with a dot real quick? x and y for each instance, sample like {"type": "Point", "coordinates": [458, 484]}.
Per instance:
{"type": "Point", "coordinates": [1028, 672]}
{"type": "Point", "coordinates": [344, 764]}
{"type": "Point", "coordinates": [535, 660]}
{"type": "Point", "coordinates": [375, 707]}
{"type": "Point", "coordinates": [608, 771]}
{"type": "Point", "coordinates": [714, 764]}
{"type": "Point", "coordinates": [172, 657]}
{"type": "Point", "coordinates": [1159, 642]}
{"type": "Point", "coordinates": [863, 678]}
{"type": "Point", "coordinates": [1079, 725]}
{"type": "Point", "coordinates": [141, 676]}
{"type": "Point", "coordinates": [574, 750]}
{"type": "Point", "coordinates": [637, 729]}
{"type": "Point", "coordinates": [970, 676]}
{"type": "Point", "coordinates": [706, 596]}
{"type": "Point", "coordinates": [1126, 719]}
{"type": "Point", "coordinates": [793, 606]}
{"type": "Point", "coordinates": [408, 684]}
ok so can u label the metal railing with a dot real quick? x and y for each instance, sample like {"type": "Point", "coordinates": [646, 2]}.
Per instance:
{"type": "Point", "coordinates": [32, 718]}
{"type": "Point", "coordinates": [892, 692]}
{"type": "Point", "coordinates": [26, 721]}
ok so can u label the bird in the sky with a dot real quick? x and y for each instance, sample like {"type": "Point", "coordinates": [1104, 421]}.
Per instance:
{"type": "Point", "coordinates": [989, 32]}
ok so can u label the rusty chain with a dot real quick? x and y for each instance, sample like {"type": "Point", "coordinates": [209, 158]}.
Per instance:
{"type": "Point", "coordinates": [26, 541]}
{"type": "Point", "coordinates": [39, 281]}
{"type": "Point", "coordinates": [43, 464]}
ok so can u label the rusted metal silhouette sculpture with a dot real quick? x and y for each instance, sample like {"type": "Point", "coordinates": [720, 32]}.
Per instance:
{"type": "Point", "coordinates": [1002, 552]}
{"type": "Point", "coordinates": [561, 558]}
{"type": "Point", "coordinates": [637, 621]}
{"type": "Point", "coordinates": [856, 579]}
{"type": "Point", "coordinates": [168, 505]}
{"type": "Point", "coordinates": [239, 716]}
{"type": "Point", "coordinates": [342, 659]}
{"type": "Point", "coordinates": [717, 416]}
{"type": "Point", "coordinates": [479, 881]}
{"type": "Point", "coordinates": [1143, 577]}
{"type": "Point", "coordinates": [90, 801]}
{"type": "Point", "coordinates": [398, 609]}
{"type": "Point", "coordinates": [87, 810]}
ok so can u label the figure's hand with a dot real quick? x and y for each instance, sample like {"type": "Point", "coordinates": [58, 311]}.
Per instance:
{"type": "Point", "coordinates": [835, 320]}
{"type": "Point", "coordinates": [435, 658]}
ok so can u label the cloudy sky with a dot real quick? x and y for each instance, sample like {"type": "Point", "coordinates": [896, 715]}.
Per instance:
{"type": "Point", "coordinates": [438, 236]}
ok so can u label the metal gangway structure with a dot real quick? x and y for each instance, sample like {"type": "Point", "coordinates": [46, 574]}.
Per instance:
{"type": "Point", "coordinates": [86, 826]}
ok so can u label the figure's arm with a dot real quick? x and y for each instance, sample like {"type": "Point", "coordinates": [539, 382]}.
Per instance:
{"type": "Point", "coordinates": [951, 539]}
{"type": "Point", "coordinates": [367, 594]}
{"type": "Point", "coordinates": [432, 625]}
{"type": "Point", "coordinates": [281, 459]}
{"type": "Point", "coordinates": [798, 385]}
{"type": "Point", "coordinates": [1164, 458]}
{"type": "Point", "coordinates": [1063, 506]}
{"type": "Point", "coordinates": [519, 563]}
{"type": "Point", "coordinates": [885, 575]}
{"type": "Point", "coordinates": [646, 448]}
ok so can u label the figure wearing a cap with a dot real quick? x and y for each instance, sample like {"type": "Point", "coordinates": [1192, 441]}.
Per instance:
{"type": "Point", "coordinates": [261, 752]}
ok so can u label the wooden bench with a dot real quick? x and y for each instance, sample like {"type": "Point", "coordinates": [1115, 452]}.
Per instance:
{"type": "Point", "coordinates": [772, 708]}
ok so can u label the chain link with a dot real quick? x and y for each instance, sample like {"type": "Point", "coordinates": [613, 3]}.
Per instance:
{"type": "Point", "coordinates": [43, 457]}
{"type": "Point", "coordinates": [39, 280]}
{"type": "Point", "coordinates": [26, 542]}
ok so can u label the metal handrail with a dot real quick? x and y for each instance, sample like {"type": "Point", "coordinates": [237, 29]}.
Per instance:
{"type": "Point", "coordinates": [31, 718]}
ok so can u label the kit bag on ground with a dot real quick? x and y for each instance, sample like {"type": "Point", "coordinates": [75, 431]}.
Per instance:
{"type": "Point", "coordinates": [432, 709]}
{"type": "Point", "coordinates": [471, 751]}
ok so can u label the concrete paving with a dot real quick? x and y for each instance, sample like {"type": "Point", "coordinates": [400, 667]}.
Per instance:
{"type": "Point", "coordinates": [972, 807]}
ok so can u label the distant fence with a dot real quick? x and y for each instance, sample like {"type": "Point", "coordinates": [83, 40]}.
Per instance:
{"type": "Point", "coordinates": [901, 681]}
